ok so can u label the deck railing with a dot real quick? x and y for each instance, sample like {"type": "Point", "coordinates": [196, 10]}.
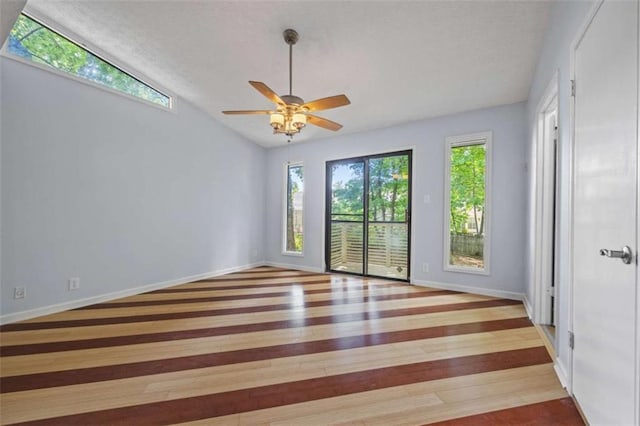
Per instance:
{"type": "Point", "coordinates": [387, 244]}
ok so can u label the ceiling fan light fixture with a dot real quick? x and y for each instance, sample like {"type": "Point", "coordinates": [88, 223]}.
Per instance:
{"type": "Point", "coordinates": [299, 120]}
{"type": "Point", "coordinates": [277, 121]}
{"type": "Point", "coordinates": [290, 126]}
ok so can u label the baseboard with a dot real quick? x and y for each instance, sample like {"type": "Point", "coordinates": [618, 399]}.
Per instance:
{"type": "Point", "coordinates": [298, 267]}
{"type": "Point", "coordinates": [73, 304]}
{"type": "Point", "coordinates": [468, 289]}
{"type": "Point", "coordinates": [528, 307]}
{"type": "Point", "coordinates": [561, 372]}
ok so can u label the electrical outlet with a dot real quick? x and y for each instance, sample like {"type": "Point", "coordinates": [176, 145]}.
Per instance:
{"type": "Point", "coordinates": [427, 199]}
{"type": "Point", "coordinates": [425, 267]}
{"type": "Point", "coordinates": [74, 283]}
{"type": "Point", "coordinates": [19, 292]}
{"type": "Point", "coordinates": [254, 254]}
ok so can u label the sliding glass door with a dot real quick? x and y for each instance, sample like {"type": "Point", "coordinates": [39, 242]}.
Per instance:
{"type": "Point", "coordinates": [368, 215]}
{"type": "Point", "coordinates": [345, 190]}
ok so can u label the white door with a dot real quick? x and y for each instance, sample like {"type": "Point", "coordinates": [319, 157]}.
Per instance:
{"type": "Point", "coordinates": [605, 368]}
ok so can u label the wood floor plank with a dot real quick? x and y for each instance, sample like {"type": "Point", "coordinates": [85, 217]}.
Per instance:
{"type": "Point", "coordinates": [403, 401]}
{"type": "Point", "coordinates": [230, 307]}
{"type": "Point", "coordinates": [209, 295]}
{"type": "Point", "coordinates": [281, 297]}
{"type": "Point", "coordinates": [250, 276]}
{"type": "Point", "coordinates": [271, 282]}
{"type": "Point", "coordinates": [184, 384]}
{"type": "Point", "coordinates": [366, 401]}
{"type": "Point", "coordinates": [56, 377]}
{"type": "Point", "coordinates": [556, 411]}
{"type": "Point", "coordinates": [261, 286]}
{"type": "Point", "coordinates": [220, 404]}
{"type": "Point", "coordinates": [323, 285]}
{"type": "Point", "coordinates": [86, 358]}
{"type": "Point", "coordinates": [56, 341]}
{"type": "Point", "coordinates": [276, 346]}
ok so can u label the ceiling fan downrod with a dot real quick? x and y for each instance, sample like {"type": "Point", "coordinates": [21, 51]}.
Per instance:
{"type": "Point", "coordinates": [291, 38]}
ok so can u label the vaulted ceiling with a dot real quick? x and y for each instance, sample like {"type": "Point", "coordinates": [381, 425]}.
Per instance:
{"type": "Point", "coordinates": [397, 61]}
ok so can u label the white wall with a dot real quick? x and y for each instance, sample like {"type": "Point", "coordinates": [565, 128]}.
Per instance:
{"type": "Point", "coordinates": [427, 138]}
{"type": "Point", "coordinates": [565, 19]}
{"type": "Point", "coordinates": [9, 12]}
{"type": "Point", "coordinates": [116, 192]}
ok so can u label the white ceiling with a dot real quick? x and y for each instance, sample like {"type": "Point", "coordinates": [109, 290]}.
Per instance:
{"type": "Point", "coordinates": [397, 61]}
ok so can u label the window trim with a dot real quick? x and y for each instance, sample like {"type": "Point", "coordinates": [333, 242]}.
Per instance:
{"type": "Point", "coordinates": [285, 172]}
{"type": "Point", "coordinates": [75, 39]}
{"type": "Point", "coordinates": [466, 140]}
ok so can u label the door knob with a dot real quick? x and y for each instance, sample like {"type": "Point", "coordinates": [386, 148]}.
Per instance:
{"type": "Point", "coordinates": [626, 255]}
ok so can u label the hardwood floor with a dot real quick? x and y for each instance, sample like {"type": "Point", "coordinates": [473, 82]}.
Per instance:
{"type": "Point", "coordinates": [275, 346]}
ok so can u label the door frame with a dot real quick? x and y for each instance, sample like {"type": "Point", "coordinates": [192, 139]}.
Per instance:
{"type": "Point", "coordinates": [570, 231]}
{"type": "Point", "coordinates": [567, 371]}
{"type": "Point", "coordinates": [545, 211]}
{"type": "Point", "coordinates": [637, 254]}
{"type": "Point", "coordinates": [365, 222]}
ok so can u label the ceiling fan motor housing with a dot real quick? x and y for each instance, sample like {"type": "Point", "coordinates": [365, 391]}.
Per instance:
{"type": "Point", "coordinates": [292, 100]}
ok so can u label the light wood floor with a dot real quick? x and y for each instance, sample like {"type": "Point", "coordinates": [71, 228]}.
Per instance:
{"type": "Point", "coordinates": [275, 346]}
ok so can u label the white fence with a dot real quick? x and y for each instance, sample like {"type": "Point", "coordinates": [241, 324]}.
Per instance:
{"type": "Point", "coordinates": [388, 244]}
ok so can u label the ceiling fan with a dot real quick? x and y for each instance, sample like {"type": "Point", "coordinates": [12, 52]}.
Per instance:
{"type": "Point", "coordinates": [292, 113]}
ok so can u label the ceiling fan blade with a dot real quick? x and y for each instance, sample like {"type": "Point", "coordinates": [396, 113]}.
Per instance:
{"type": "Point", "coordinates": [250, 111]}
{"type": "Point", "coordinates": [267, 92]}
{"type": "Point", "coordinates": [327, 103]}
{"type": "Point", "coordinates": [323, 122]}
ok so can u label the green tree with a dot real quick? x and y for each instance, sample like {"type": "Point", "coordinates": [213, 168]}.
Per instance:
{"type": "Point", "coordinates": [347, 197]}
{"type": "Point", "coordinates": [388, 188]}
{"type": "Point", "coordinates": [31, 40]}
{"type": "Point", "coordinates": [467, 187]}
{"type": "Point", "coordinates": [47, 47]}
{"type": "Point", "coordinates": [388, 193]}
{"type": "Point", "coordinates": [295, 184]}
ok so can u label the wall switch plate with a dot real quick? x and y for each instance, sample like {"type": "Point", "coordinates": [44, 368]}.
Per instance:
{"type": "Point", "coordinates": [19, 292]}
{"type": "Point", "coordinates": [74, 283]}
{"type": "Point", "coordinates": [427, 199]}
{"type": "Point", "coordinates": [425, 267]}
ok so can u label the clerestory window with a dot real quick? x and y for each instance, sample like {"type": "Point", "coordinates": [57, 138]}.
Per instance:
{"type": "Point", "coordinates": [34, 42]}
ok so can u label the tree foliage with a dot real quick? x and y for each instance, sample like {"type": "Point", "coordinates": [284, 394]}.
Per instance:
{"type": "Point", "coordinates": [32, 41]}
{"type": "Point", "coordinates": [388, 188]}
{"type": "Point", "coordinates": [295, 185]}
{"type": "Point", "coordinates": [467, 187]}
{"type": "Point", "coordinates": [388, 193]}
{"type": "Point", "coordinates": [347, 197]}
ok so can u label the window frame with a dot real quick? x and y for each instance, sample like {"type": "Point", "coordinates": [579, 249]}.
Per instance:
{"type": "Point", "coordinates": [78, 41]}
{"type": "Point", "coordinates": [451, 142]}
{"type": "Point", "coordinates": [286, 166]}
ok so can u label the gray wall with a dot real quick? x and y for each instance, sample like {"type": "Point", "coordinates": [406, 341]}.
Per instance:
{"type": "Point", "coordinates": [9, 12]}
{"type": "Point", "coordinates": [427, 138]}
{"type": "Point", "coordinates": [116, 192]}
{"type": "Point", "coordinates": [565, 19]}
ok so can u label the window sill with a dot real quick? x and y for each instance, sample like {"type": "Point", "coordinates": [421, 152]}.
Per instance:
{"type": "Point", "coordinates": [474, 271]}
{"type": "Point", "coordinates": [293, 253]}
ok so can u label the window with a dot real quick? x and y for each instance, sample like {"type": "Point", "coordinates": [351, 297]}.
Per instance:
{"type": "Point", "coordinates": [467, 201]}
{"type": "Point", "coordinates": [36, 43]}
{"type": "Point", "coordinates": [294, 231]}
